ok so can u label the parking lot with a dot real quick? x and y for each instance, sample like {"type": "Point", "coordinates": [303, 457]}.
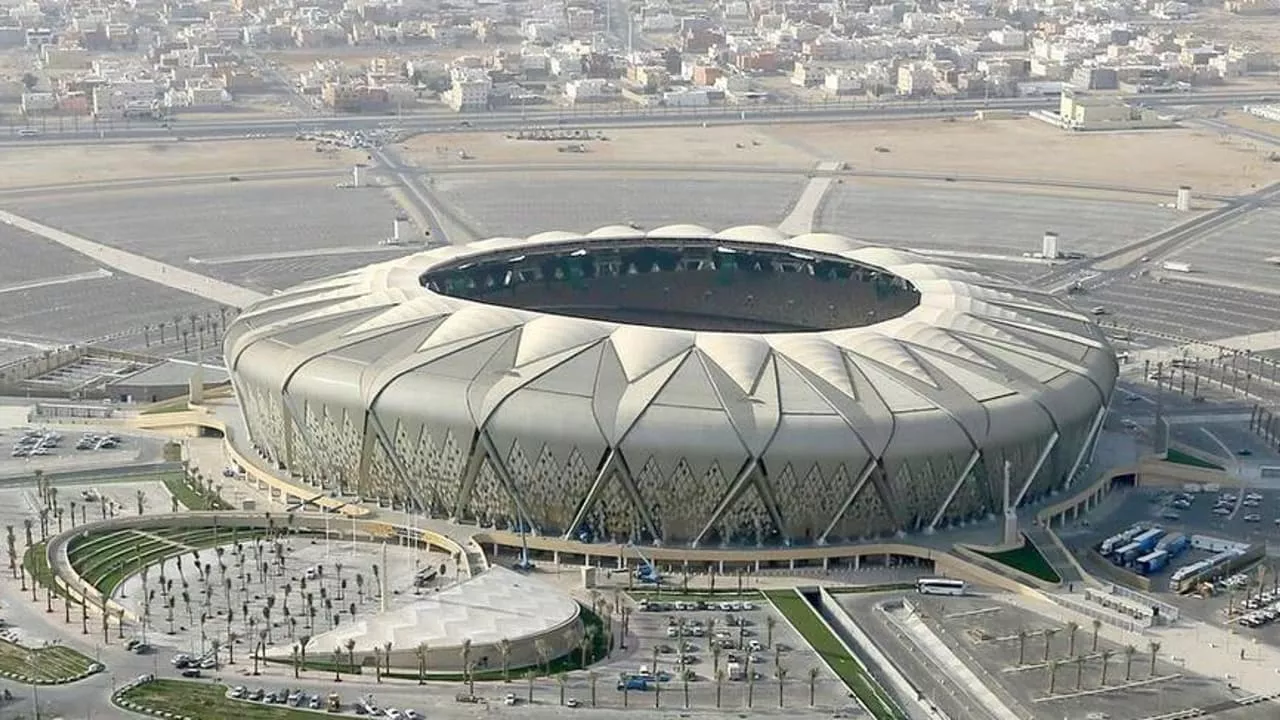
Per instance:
{"type": "Point", "coordinates": [985, 634]}
{"type": "Point", "coordinates": [997, 220]}
{"type": "Point", "coordinates": [213, 222]}
{"type": "Point", "coordinates": [1252, 240]}
{"type": "Point", "coordinates": [1182, 309]}
{"type": "Point", "coordinates": [583, 201]}
{"type": "Point", "coordinates": [668, 639]}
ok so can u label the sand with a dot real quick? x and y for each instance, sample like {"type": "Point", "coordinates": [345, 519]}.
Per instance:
{"type": "Point", "coordinates": [55, 165]}
{"type": "Point", "coordinates": [1018, 148]}
{"type": "Point", "coordinates": [682, 146]}
{"type": "Point", "coordinates": [1027, 148]}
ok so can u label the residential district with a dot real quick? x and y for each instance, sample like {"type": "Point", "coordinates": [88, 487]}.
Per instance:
{"type": "Point", "coordinates": [112, 60]}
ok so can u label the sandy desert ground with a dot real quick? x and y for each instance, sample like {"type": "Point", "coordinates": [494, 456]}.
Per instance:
{"type": "Point", "coordinates": [52, 165]}
{"type": "Point", "coordinates": [1207, 160]}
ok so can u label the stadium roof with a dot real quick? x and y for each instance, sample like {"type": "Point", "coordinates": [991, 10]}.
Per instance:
{"type": "Point", "coordinates": [496, 604]}
{"type": "Point", "coordinates": [970, 338]}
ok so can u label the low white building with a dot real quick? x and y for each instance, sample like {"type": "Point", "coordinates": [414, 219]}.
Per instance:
{"type": "Point", "coordinates": [470, 90]}
{"type": "Point", "coordinates": [587, 90]}
{"type": "Point", "coordinates": [125, 98]}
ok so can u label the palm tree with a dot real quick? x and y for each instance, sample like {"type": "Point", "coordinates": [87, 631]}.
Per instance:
{"type": "Point", "coordinates": [544, 654]}
{"type": "Point", "coordinates": [782, 676]}
{"type": "Point", "coordinates": [504, 651]}
{"type": "Point", "coordinates": [1053, 675]}
{"type": "Point", "coordinates": [1022, 646]}
{"type": "Point", "coordinates": [351, 655]}
{"type": "Point", "coordinates": [719, 685]}
{"type": "Point", "coordinates": [1154, 647]}
{"type": "Point", "coordinates": [386, 651]}
{"type": "Point", "coordinates": [1129, 652]}
{"type": "Point", "coordinates": [684, 683]}
{"type": "Point", "coordinates": [560, 680]}
{"type": "Point", "coordinates": [530, 675]}
{"type": "Point", "coordinates": [751, 671]}
{"type": "Point", "coordinates": [1106, 659]}
{"type": "Point", "coordinates": [465, 651]}
{"type": "Point", "coordinates": [141, 497]}
{"type": "Point", "coordinates": [813, 681]}
{"type": "Point", "coordinates": [1072, 628]}
{"type": "Point", "coordinates": [421, 652]}
{"type": "Point", "coordinates": [769, 622]}
{"type": "Point", "coordinates": [377, 663]}
{"type": "Point", "coordinates": [1079, 671]}
{"type": "Point", "coordinates": [1097, 625]}
{"type": "Point", "coordinates": [337, 664]}
{"type": "Point", "coordinates": [592, 676]}
{"type": "Point", "coordinates": [1048, 642]}
{"type": "Point", "coordinates": [585, 641]}
{"type": "Point", "coordinates": [297, 662]}
{"type": "Point", "coordinates": [27, 524]}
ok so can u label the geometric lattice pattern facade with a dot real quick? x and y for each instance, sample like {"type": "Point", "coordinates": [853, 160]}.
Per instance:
{"type": "Point", "coordinates": [613, 431]}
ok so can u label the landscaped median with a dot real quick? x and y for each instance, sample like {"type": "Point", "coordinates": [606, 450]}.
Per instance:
{"type": "Point", "coordinates": [52, 665]}
{"type": "Point", "coordinates": [811, 627]}
{"type": "Point", "coordinates": [186, 700]}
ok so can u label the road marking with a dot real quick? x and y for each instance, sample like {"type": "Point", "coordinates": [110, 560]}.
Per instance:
{"type": "Point", "coordinates": [292, 254]}
{"type": "Point", "coordinates": [33, 284]}
{"type": "Point", "coordinates": [140, 266]}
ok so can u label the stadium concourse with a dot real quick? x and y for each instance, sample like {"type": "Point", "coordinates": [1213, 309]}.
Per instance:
{"type": "Point", "coordinates": [680, 387]}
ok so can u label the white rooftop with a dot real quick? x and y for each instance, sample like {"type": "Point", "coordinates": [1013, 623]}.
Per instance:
{"type": "Point", "coordinates": [496, 604]}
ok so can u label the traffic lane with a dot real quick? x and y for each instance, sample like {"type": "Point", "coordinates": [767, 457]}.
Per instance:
{"type": "Point", "coordinates": [928, 678]}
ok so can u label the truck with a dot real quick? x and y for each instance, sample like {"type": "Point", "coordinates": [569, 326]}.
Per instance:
{"type": "Point", "coordinates": [1175, 544]}
{"type": "Point", "coordinates": [1176, 267]}
{"type": "Point", "coordinates": [736, 671]}
{"type": "Point", "coordinates": [1128, 554]}
{"type": "Point", "coordinates": [1148, 539]}
{"type": "Point", "coordinates": [1152, 562]}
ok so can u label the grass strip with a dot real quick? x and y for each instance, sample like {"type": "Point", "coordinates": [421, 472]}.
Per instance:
{"type": "Point", "coordinates": [49, 664]}
{"type": "Point", "coordinates": [1178, 457]}
{"type": "Point", "coordinates": [191, 498]}
{"type": "Point", "coordinates": [1027, 559]}
{"type": "Point", "coordinates": [204, 701]}
{"type": "Point", "coordinates": [807, 622]}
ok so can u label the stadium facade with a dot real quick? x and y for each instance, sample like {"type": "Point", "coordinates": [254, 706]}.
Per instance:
{"type": "Point", "coordinates": [678, 386]}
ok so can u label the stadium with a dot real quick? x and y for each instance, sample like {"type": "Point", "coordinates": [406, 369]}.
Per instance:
{"type": "Point", "coordinates": [680, 386]}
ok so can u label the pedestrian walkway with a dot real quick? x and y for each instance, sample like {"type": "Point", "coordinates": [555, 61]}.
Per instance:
{"type": "Point", "coordinates": [1209, 650]}
{"type": "Point", "coordinates": [801, 218]}
{"type": "Point", "coordinates": [955, 668]}
{"type": "Point", "coordinates": [163, 273]}
{"type": "Point", "coordinates": [1052, 553]}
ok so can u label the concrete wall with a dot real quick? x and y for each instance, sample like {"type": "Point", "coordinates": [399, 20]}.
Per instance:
{"type": "Point", "coordinates": [907, 692]}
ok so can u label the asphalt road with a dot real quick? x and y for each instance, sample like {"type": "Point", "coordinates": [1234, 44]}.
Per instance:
{"type": "Point", "coordinates": [511, 120]}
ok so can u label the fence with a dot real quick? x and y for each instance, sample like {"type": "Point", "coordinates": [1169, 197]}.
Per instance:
{"type": "Point", "coordinates": [1096, 612]}
{"type": "Point", "coordinates": [1168, 612]}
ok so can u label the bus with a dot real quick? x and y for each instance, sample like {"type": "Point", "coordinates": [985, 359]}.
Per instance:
{"type": "Point", "coordinates": [940, 586]}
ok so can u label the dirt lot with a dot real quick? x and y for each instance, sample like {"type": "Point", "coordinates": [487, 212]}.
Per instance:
{"type": "Point", "coordinates": [1029, 148]}
{"type": "Point", "coordinates": [673, 146]}
{"type": "Point", "coordinates": [1024, 148]}
{"type": "Point", "coordinates": [53, 165]}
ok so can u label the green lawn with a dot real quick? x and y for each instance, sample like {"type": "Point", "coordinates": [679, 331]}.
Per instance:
{"type": "Point", "coordinates": [1027, 559]}
{"type": "Point", "coordinates": [36, 561]}
{"type": "Point", "coordinates": [106, 560]}
{"type": "Point", "coordinates": [50, 664]}
{"type": "Point", "coordinates": [205, 701]}
{"type": "Point", "coordinates": [1180, 458]}
{"type": "Point", "coordinates": [191, 498]}
{"type": "Point", "coordinates": [806, 621]}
